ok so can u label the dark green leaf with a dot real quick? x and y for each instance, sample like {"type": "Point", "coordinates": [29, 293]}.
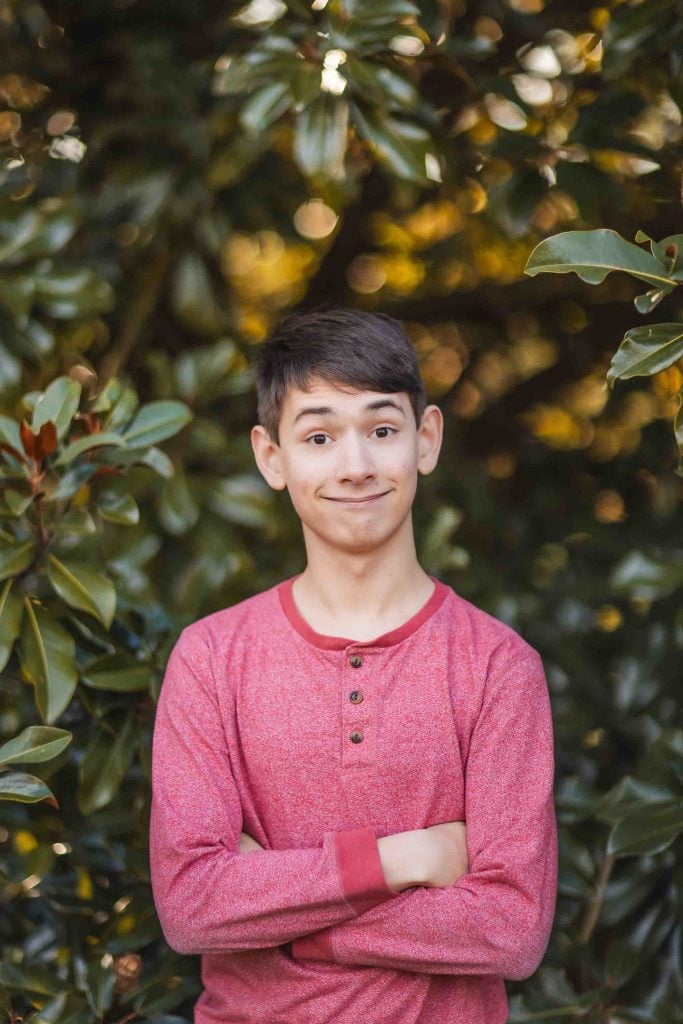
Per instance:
{"type": "Point", "coordinates": [83, 587]}
{"type": "Point", "coordinates": [47, 656]}
{"type": "Point", "coordinates": [22, 788]}
{"type": "Point", "coordinates": [592, 255]}
{"type": "Point", "coordinates": [646, 350]}
{"type": "Point", "coordinates": [155, 422]}
{"type": "Point", "coordinates": [35, 744]}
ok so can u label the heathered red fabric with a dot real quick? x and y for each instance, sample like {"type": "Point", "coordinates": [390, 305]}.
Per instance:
{"type": "Point", "coordinates": [252, 734]}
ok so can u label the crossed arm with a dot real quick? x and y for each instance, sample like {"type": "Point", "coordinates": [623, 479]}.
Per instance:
{"type": "Point", "coordinates": [497, 916]}
{"type": "Point", "coordinates": [332, 901]}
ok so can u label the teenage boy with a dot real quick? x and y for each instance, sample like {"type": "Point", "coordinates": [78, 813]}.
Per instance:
{"type": "Point", "coordinates": [352, 814]}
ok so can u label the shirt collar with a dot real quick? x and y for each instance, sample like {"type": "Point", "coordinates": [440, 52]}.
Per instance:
{"type": "Point", "coordinates": [338, 643]}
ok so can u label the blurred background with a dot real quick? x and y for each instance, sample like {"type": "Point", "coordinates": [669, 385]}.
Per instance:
{"type": "Point", "coordinates": [176, 176]}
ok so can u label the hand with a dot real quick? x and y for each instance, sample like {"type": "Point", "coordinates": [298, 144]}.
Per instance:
{"type": "Point", "coordinates": [247, 843]}
{"type": "Point", "coordinates": [446, 858]}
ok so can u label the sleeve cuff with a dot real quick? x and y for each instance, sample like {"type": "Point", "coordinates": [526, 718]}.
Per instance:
{"type": "Point", "coordinates": [360, 868]}
{"type": "Point", "coordinates": [316, 946]}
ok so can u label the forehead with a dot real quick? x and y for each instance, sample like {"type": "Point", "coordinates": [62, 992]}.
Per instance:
{"type": "Point", "coordinates": [338, 397]}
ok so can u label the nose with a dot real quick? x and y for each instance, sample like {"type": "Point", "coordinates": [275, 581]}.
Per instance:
{"type": "Point", "coordinates": [355, 460]}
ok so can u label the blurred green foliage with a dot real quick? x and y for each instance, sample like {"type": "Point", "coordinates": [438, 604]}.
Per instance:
{"type": "Point", "coordinates": [173, 177]}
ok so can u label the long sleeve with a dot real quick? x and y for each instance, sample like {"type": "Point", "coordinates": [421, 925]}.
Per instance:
{"type": "Point", "coordinates": [496, 919]}
{"type": "Point", "coordinates": [210, 897]}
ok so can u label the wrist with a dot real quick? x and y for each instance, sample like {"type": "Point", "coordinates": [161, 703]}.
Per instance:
{"type": "Point", "coordinates": [401, 861]}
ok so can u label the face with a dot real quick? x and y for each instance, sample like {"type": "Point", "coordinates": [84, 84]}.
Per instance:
{"type": "Point", "coordinates": [350, 461]}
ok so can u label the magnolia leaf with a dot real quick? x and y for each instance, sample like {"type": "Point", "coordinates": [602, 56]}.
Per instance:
{"type": "Point", "coordinates": [24, 788]}
{"type": "Point", "coordinates": [47, 658]}
{"type": "Point", "coordinates": [35, 744]}
{"type": "Point", "coordinates": [265, 106]}
{"type": "Point", "coordinates": [592, 255]}
{"type": "Point", "coordinates": [118, 508]}
{"type": "Point", "coordinates": [648, 830]}
{"type": "Point", "coordinates": [639, 576]}
{"type": "Point", "coordinates": [11, 613]}
{"type": "Point", "coordinates": [104, 765]}
{"type": "Point", "coordinates": [155, 422]}
{"type": "Point", "coordinates": [400, 145]}
{"type": "Point", "coordinates": [650, 300]}
{"type": "Point", "coordinates": [321, 136]}
{"type": "Point", "coordinates": [118, 673]}
{"type": "Point", "coordinates": [58, 404]}
{"type": "Point", "coordinates": [84, 587]}
{"type": "Point", "coordinates": [646, 350]}
{"type": "Point", "coordinates": [15, 557]}
{"type": "Point", "coordinates": [84, 444]}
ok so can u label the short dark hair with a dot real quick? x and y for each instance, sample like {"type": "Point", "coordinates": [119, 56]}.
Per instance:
{"type": "Point", "coordinates": [368, 351]}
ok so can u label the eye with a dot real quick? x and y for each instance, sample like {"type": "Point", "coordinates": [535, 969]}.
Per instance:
{"type": "Point", "coordinates": [392, 429]}
{"type": "Point", "coordinates": [313, 437]}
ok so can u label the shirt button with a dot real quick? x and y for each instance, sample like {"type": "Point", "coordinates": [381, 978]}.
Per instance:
{"type": "Point", "coordinates": [355, 696]}
{"type": "Point", "coordinates": [356, 737]}
{"type": "Point", "coordinates": [356, 660]}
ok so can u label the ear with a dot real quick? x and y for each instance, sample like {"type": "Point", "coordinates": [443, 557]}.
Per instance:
{"type": "Point", "coordinates": [268, 458]}
{"type": "Point", "coordinates": [429, 438]}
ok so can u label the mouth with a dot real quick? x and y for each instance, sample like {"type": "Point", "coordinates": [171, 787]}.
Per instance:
{"type": "Point", "coordinates": [359, 501]}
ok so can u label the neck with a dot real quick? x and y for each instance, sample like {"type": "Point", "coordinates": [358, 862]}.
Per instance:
{"type": "Point", "coordinates": [361, 593]}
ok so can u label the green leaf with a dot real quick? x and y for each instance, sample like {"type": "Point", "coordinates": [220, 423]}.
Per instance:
{"type": "Point", "coordinates": [64, 1008]}
{"type": "Point", "coordinates": [76, 521]}
{"type": "Point", "coordinates": [243, 498]}
{"type": "Point", "coordinates": [650, 300]}
{"type": "Point", "coordinates": [9, 432]}
{"type": "Point", "coordinates": [104, 765]}
{"type": "Point", "coordinates": [84, 444]}
{"type": "Point", "coordinates": [29, 978]}
{"type": "Point", "coordinates": [100, 982]}
{"type": "Point", "coordinates": [155, 422]}
{"type": "Point", "coordinates": [35, 744]}
{"type": "Point", "coordinates": [321, 137]}
{"type": "Point", "coordinates": [639, 576]}
{"type": "Point", "coordinates": [83, 587]}
{"type": "Point", "coordinates": [69, 293]}
{"type": "Point", "coordinates": [73, 480]}
{"type": "Point", "coordinates": [628, 797]}
{"type": "Point", "coordinates": [176, 506]}
{"type": "Point", "coordinates": [647, 831]}
{"type": "Point", "coordinates": [17, 503]}
{"type": "Point", "coordinates": [59, 403]}
{"type": "Point", "coordinates": [159, 461]}
{"type": "Point", "coordinates": [117, 672]}
{"type": "Point", "coordinates": [47, 657]}
{"type": "Point", "coordinates": [122, 410]}
{"type": "Point", "coordinates": [118, 508]}
{"type": "Point", "coordinates": [265, 106]}
{"type": "Point", "coordinates": [193, 297]}
{"type": "Point", "coordinates": [24, 789]}
{"type": "Point", "coordinates": [400, 145]}
{"type": "Point", "coordinates": [11, 613]}
{"type": "Point", "coordinates": [32, 232]}
{"type": "Point", "coordinates": [15, 557]}
{"type": "Point", "coordinates": [592, 255]}
{"type": "Point", "coordinates": [646, 350]}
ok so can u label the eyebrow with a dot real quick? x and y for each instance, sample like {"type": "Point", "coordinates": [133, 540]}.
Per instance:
{"type": "Point", "coordinates": [326, 410]}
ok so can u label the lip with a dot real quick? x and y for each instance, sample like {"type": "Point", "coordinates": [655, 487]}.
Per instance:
{"type": "Point", "coordinates": [358, 501]}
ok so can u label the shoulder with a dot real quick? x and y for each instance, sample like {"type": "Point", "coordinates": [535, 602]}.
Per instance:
{"type": "Point", "coordinates": [489, 643]}
{"type": "Point", "coordinates": [252, 613]}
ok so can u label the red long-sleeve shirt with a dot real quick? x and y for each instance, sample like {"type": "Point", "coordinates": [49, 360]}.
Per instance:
{"type": "Point", "coordinates": [318, 745]}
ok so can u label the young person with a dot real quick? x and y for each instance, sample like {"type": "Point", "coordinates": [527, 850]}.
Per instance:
{"type": "Point", "coordinates": [352, 797]}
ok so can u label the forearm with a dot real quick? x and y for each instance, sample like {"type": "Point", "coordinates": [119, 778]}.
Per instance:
{"type": "Point", "coordinates": [489, 922]}
{"type": "Point", "coordinates": [209, 896]}
{"type": "Point", "coordinates": [496, 919]}
{"type": "Point", "coordinates": [212, 899]}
